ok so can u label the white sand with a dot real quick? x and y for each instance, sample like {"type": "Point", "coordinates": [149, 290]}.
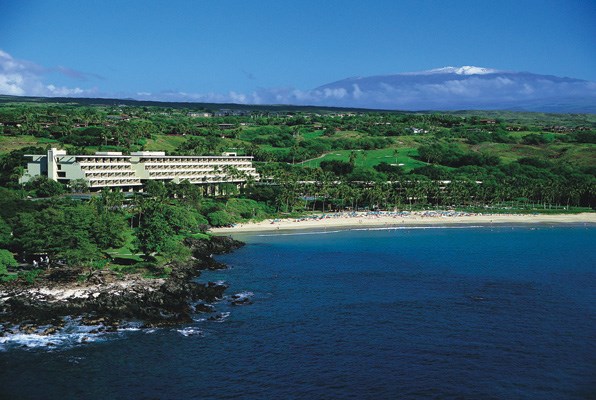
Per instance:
{"type": "Point", "coordinates": [389, 219]}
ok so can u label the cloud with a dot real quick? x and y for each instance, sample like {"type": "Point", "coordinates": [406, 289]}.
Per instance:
{"type": "Point", "coordinates": [415, 91]}
{"type": "Point", "coordinates": [211, 97]}
{"type": "Point", "coordinates": [357, 93]}
{"type": "Point", "coordinates": [24, 78]}
{"type": "Point", "coordinates": [63, 91]}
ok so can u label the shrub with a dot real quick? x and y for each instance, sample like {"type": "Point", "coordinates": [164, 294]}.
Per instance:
{"type": "Point", "coordinates": [246, 208]}
{"type": "Point", "coordinates": [42, 186]}
{"type": "Point", "coordinates": [6, 261]}
{"type": "Point", "coordinates": [221, 218]}
{"type": "Point", "coordinates": [5, 233]}
{"type": "Point", "coordinates": [338, 167]}
{"type": "Point", "coordinates": [535, 139]}
{"type": "Point", "coordinates": [30, 276]}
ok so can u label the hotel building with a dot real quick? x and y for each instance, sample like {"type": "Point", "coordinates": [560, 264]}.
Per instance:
{"type": "Point", "coordinates": [129, 172]}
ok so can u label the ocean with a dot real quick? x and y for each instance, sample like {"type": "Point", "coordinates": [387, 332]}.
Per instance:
{"type": "Point", "coordinates": [417, 313]}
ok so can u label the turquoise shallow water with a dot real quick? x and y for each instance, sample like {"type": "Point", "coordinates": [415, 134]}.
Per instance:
{"type": "Point", "coordinates": [472, 313]}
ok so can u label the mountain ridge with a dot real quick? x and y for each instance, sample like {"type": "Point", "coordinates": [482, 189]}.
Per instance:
{"type": "Point", "coordinates": [466, 87]}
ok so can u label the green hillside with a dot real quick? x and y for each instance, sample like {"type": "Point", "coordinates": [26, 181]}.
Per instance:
{"type": "Point", "coordinates": [540, 150]}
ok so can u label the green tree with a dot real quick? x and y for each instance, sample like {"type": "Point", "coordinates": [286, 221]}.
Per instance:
{"type": "Point", "coordinates": [109, 200]}
{"type": "Point", "coordinates": [5, 233]}
{"type": "Point", "coordinates": [221, 218]}
{"type": "Point", "coordinates": [42, 186]}
{"type": "Point", "coordinates": [353, 157]}
{"type": "Point", "coordinates": [156, 190]}
{"type": "Point", "coordinates": [79, 185]}
{"type": "Point", "coordinates": [337, 167]}
{"type": "Point", "coordinates": [183, 219]}
{"type": "Point", "coordinates": [154, 232]}
{"type": "Point", "coordinates": [64, 230]}
{"type": "Point", "coordinates": [173, 250]}
{"type": "Point", "coordinates": [187, 193]}
{"type": "Point", "coordinates": [109, 230]}
{"type": "Point", "coordinates": [12, 164]}
{"type": "Point", "coordinates": [6, 261]}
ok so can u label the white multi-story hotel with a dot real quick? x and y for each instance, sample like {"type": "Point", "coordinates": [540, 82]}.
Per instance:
{"type": "Point", "coordinates": [129, 172]}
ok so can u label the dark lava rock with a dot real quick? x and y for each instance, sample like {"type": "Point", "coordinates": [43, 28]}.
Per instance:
{"type": "Point", "coordinates": [204, 308]}
{"type": "Point", "coordinates": [63, 275]}
{"type": "Point", "coordinates": [92, 320]}
{"type": "Point", "coordinates": [105, 301]}
{"type": "Point", "coordinates": [28, 329]}
{"type": "Point", "coordinates": [217, 317]}
{"type": "Point", "coordinates": [102, 277]}
{"type": "Point", "coordinates": [202, 248]}
{"type": "Point", "coordinates": [50, 331]}
{"type": "Point", "coordinates": [240, 299]}
{"type": "Point", "coordinates": [224, 244]}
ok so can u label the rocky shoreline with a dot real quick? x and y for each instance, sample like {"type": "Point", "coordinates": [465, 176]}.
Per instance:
{"type": "Point", "coordinates": [107, 300]}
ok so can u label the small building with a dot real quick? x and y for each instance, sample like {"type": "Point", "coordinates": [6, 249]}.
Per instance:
{"type": "Point", "coordinates": [194, 114]}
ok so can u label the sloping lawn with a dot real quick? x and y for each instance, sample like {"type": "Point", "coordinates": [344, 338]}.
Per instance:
{"type": "Point", "coordinates": [10, 143]}
{"type": "Point", "coordinates": [164, 143]}
{"type": "Point", "coordinates": [370, 158]}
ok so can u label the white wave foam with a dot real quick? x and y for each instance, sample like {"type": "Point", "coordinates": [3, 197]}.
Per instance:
{"type": "Point", "coordinates": [190, 331]}
{"type": "Point", "coordinates": [242, 295]}
{"type": "Point", "coordinates": [219, 318]}
{"type": "Point", "coordinates": [129, 329]}
{"type": "Point", "coordinates": [35, 340]}
{"type": "Point", "coordinates": [73, 333]}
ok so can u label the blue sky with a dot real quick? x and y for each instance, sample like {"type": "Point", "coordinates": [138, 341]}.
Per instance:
{"type": "Point", "coordinates": [227, 50]}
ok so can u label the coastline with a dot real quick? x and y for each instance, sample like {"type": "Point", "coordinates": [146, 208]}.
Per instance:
{"type": "Point", "coordinates": [402, 219]}
{"type": "Point", "coordinates": [57, 300]}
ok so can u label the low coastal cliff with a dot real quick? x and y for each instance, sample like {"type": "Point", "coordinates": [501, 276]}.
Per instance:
{"type": "Point", "coordinates": [108, 299]}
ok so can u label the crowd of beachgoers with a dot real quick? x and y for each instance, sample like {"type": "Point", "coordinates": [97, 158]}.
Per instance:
{"type": "Point", "coordinates": [381, 214]}
{"type": "Point", "coordinates": [399, 218]}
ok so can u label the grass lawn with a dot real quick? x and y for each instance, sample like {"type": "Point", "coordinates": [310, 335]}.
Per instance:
{"type": "Point", "coordinates": [370, 158]}
{"type": "Point", "coordinates": [312, 135]}
{"type": "Point", "coordinates": [125, 255]}
{"type": "Point", "coordinates": [10, 143]}
{"type": "Point", "coordinates": [512, 152]}
{"type": "Point", "coordinates": [275, 150]}
{"type": "Point", "coordinates": [576, 153]}
{"type": "Point", "coordinates": [199, 236]}
{"type": "Point", "coordinates": [520, 134]}
{"type": "Point", "coordinates": [348, 134]}
{"type": "Point", "coordinates": [164, 143]}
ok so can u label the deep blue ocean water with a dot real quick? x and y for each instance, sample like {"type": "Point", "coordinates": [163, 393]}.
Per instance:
{"type": "Point", "coordinates": [445, 313]}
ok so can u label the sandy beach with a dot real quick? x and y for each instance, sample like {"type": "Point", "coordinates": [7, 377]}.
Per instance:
{"type": "Point", "coordinates": [399, 219]}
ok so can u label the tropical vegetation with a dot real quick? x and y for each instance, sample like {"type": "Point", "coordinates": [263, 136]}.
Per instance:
{"type": "Point", "coordinates": [309, 160]}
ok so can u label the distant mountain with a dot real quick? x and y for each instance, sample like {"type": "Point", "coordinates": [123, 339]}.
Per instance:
{"type": "Point", "coordinates": [461, 88]}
